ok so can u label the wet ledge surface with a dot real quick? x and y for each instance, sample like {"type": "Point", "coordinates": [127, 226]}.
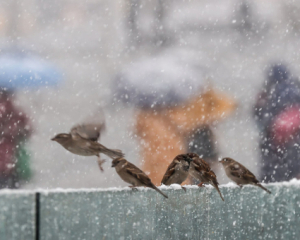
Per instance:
{"type": "Point", "coordinates": [248, 213]}
{"type": "Point", "coordinates": [17, 215]}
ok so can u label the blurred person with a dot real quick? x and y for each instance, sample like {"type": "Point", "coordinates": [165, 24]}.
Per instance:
{"type": "Point", "coordinates": [202, 141]}
{"type": "Point", "coordinates": [168, 132]}
{"type": "Point", "coordinates": [175, 107]}
{"type": "Point", "coordinates": [277, 114]}
{"type": "Point", "coordinates": [20, 69]}
{"type": "Point", "coordinates": [14, 131]}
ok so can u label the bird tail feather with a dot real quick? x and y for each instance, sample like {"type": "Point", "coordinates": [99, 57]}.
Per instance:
{"type": "Point", "coordinates": [217, 188]}
{"type": "Point", "coordinates": [113, 153]}
{"type": "Point", "coordinates": [156, 189]}
{"type": "Point", "coordinates": [259, 185]}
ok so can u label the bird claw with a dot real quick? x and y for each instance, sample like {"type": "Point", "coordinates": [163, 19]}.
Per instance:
{"type": "Point", "coordinates": [183, 188]}
{"type": "Point", "coordinates": [200, 184]}
{"type": "Point", "coordinates": [133, 188]}
{"type": "Point", "coordinates": [100, 162]}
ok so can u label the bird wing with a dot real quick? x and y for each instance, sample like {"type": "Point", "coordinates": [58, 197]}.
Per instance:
{"type": "Point", "coordinates": [91, 126]}
{"type": "Point", "coordinates": [201, 165]}
{"type": "Point", "coordinates": [250, 176]}
{"type": "Point", "coordinates": [137, 173]}
{"type": "Point", "coordinates": [210, 174]}
{"type": "Point", "coordinates": [88, 131]}
{"type": "Point", "coordinates": [170, 171]}
{"type": "Point", "coordinates": [238, 170]}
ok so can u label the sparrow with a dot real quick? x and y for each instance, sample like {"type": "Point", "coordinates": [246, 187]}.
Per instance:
{"type": "Point", "coordinates": [240, 174]}
{"type": "Point", "coordinates": [178, 170]}
{"type": "Point", "coordinates": [83, 140]}
{"type": "Point", "coordinates": [200, 170]}
{"type": "Point", "coordinates": [133, 175]}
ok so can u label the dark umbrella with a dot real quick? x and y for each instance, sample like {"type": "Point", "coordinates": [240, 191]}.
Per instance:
{"type": "Point", "coordinates": [21, 70]}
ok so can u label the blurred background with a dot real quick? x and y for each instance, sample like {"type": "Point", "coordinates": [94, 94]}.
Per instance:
{"type": "Point", "coordinates": [89, 54]}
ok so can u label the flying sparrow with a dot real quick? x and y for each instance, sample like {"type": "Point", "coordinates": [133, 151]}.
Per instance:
{"type": "Point", "coordinates": [178, 170]}
{"type": "Point", "coordinates": [83, 140]}
{"type": "Point", "coordinates": [133, 175]}
{"type": "Point", "coordinates": [200, 170]}
{"type": "Point", "coordinates": [240, 174]}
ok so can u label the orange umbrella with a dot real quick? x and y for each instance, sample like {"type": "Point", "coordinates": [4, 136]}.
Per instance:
{"type": "Point", "coordinates": [163, 132]}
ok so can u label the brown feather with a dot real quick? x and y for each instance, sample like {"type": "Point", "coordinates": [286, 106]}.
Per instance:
{"type": "Point", "coordinates": [170, 171]}
{"type": "Point", "coordinates": [202, 172]}
{"type": "Point", "coordinates": [133, 175]}
{"type": "Point", "coordinates": [137, 173]}
{"type": "Point", "coordinates": [238, 173]}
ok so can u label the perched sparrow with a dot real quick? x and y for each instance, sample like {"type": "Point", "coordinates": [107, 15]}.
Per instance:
{"type": "Point", "coordinates": [240, 174]}
{"type": "Point", "coordinates": [178, 170]}
{"type": "Point", "coordinates": [133, 175]}
{"type": "Point", "coordinates": [82, 140]}
{"type": "Point", "coordinates": [199, 169]}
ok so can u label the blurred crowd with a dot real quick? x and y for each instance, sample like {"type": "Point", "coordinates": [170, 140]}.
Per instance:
{"type": "Point", "coordinates": [15, 131]}
{"type": "Point", "coordinates": [277, 114]}
{"type": "Point", "coordinates": [188, 127]}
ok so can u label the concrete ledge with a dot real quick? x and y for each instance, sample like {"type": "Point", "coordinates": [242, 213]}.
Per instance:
{"type": "Point", "coordinates": [115, 213]}
{"type": "Point", "coordinates": [248, 213]}
{"type": "Point", "coordinates": [17, 215]}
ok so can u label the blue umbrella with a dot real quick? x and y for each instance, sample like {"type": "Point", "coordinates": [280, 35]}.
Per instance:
{"type": "Point", "coordinates": [20, 70]}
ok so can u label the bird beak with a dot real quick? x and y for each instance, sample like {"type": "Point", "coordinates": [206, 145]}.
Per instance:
{"type": "Point", "coordinates": [113, 165]}
{"type": "Point", "coordinates": [53, 139]}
